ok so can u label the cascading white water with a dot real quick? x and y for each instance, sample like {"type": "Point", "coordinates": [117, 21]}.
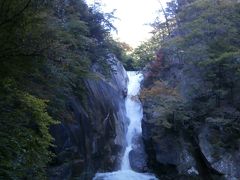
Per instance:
{"type": "Point", "coordinates": [134, 113]}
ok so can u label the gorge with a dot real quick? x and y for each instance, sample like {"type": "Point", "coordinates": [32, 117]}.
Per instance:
{"type": "Point", "coordinates": [78, 104]}
{"type": "Point", "coordinates": [134, 114]}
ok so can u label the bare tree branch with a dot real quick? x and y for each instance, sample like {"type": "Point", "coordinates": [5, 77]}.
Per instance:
{"type": "Point", "coordinates": [165, 16]}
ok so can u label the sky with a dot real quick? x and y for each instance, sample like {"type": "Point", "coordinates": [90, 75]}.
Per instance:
{"type": "Point", "coordinates": [134, 15]}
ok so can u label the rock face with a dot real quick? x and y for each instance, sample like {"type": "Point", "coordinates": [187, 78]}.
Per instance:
{"type": "Point", "coordinates": [95, 139]}
{"type": "Point", "coordinates": [137, 156]}
{"type": "Point", "coordinates": [200, 145]}
{"type": "Point", "coordinates": [169, 153]}
{"type": "Point", "coordinates": [217, 154]}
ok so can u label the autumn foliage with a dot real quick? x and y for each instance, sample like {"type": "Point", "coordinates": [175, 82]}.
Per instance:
{"type": "Point", "coordinates": [159, 88]}
{"type": "Point", "coordinates": [154, 67]}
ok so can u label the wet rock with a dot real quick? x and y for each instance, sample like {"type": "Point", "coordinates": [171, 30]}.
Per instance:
{"type": "Point", "coordinates": [137, 156]}
{"type": "Point", "coordinates": [125, 92]}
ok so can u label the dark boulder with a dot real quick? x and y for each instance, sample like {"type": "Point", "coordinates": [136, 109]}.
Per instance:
{"type": "Point", "coordinates": [219, 155]}
{"type": "Point", "coordinates": [137, 156]}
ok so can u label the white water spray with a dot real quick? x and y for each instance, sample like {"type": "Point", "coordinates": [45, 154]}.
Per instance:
{"type": "Point", "coordinates": [134, 113]}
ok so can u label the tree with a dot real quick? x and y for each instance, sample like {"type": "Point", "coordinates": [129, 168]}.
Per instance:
{"type": "Point", "coordinates": [201, 61]}
{"type": "Point", "coordinates": [47, 48]}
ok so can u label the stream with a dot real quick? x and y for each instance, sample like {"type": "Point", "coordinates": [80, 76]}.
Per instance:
{"type": "Point", "coordinates": [135, 114]}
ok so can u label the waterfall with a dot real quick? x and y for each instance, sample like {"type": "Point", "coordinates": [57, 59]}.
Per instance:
{"type": "Point", "coordinates": [134, 113]}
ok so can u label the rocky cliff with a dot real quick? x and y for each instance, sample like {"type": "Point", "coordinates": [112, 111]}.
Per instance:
{"type": "Point", "coordinates": [95, 139]}
{"type": "Point", "coordinates": [184, 136]}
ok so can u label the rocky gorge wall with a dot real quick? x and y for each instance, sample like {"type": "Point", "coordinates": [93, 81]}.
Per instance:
{"type": "Point", "coordinates": [95, 139]}
{"type": "Point", "coordinates": [187, 142]}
